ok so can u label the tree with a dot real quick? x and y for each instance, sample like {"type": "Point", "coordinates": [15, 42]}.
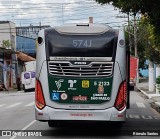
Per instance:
{"type": "Point", "coordinates": [123, 5]}
{"type": "Point", "coordinates": [147, 41]}
{"type": "Point", "coordinates": [151, 8]}
{"type": "Point", "coordinates": [148, 47]}
{"type": "Point", "coordinates": [141, 44]}
{"type": "Point", "coordinates": [150, 40]}
{"type": "Point", "coordinates": [6, 44]}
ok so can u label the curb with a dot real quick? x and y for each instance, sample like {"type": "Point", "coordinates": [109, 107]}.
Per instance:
{"type": "Point", "coordinates": [154, 105]}
{"type": "Point", "coordinates": [143, 92]}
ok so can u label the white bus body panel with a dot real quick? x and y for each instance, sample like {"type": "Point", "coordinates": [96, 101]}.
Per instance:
{"type": "Point", "coordinates": [110, 114]}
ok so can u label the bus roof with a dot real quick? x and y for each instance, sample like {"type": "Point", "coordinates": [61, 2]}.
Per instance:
{"type": "Point", "coordinates": [82, 28]}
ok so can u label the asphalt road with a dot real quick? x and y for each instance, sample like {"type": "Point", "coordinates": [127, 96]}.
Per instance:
{"type": "Point", "coordinates": [17, 113]}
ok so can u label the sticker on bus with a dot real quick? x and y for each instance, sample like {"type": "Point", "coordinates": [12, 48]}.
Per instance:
{"type": "Point", "coordinates": [71, 84]}
{"type": "Point", "coordinates": [85, 84]}
{"type": "Point", "coordinates": [100, 89]}
{"type": "Point", "coordinates": [64, 96]}
{"type": "Point", "coordinates": [80, 98]}
{"type": "Point", "coordinates": [55, 96]}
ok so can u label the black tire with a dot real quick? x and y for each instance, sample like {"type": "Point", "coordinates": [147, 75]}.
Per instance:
{"type": "Point", "coordinates": [53, 124]}
{"type": "Point", "coordinates": [131, 88]}
{"type": "Point", "coordinates": [118, 124]}
{"type": "Point", "coordinates": [24, 88]}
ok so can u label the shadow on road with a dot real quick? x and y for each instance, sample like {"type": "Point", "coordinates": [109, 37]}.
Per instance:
{"type": "Point", "coordinates": [86, 129]}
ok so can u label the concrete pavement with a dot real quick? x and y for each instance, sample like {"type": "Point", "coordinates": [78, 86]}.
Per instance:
{"type": "Point", "coordinates": [10, 92]}
{"type": "Point", "coordinates": [154, 98]}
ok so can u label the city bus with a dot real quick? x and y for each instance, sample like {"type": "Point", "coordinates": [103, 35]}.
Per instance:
{"type": "Point", "coordinates": [81, 74]}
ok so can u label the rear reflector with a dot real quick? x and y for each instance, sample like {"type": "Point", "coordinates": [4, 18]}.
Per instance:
{"type": "Point", "coordinates": [120, 102]}
{"type": "Point", "coordinates": [120, 116]}
{"type": "Point", "coordinates": [40, 113]}
{"type": "Point", "coordinates": [39, 98]}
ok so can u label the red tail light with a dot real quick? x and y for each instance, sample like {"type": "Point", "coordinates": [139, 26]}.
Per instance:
{"type": "Point", "coordinates": [120, 102]}
{"type": "Point", "coordinates": [39, 98]}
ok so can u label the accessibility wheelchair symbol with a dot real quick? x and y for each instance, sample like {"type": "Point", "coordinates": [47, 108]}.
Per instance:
{"type": "Point", "coordinates": [55, 96]}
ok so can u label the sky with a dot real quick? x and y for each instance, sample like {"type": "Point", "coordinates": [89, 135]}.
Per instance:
{"type": "Point", "coordinates": [58, 12]}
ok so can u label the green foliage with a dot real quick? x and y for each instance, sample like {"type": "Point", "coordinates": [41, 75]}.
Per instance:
{"type": "Point", "coordinates": [149, 7]}
{"type": "Point", "coordinates": [148, 28]}
{"type": "Point", "coordinates": [158, 80]}
{"type": "Point", "coordinates": [141, 49]}
{"type": "Point", "coordinates": [150, 40]}
{"type": "Point", "coordinates": [6, 44]}
{"type": "Point", "coordinates": [125, 6]}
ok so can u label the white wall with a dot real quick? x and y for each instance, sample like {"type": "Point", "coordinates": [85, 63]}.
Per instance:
{"type": "Point", "coordinates": [8, 32]}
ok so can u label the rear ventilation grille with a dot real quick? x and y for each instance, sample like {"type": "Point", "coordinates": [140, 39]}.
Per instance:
{"type": "Point", "coordinates": [94, 69]}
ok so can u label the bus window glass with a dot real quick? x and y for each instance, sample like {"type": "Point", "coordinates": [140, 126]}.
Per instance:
{"type": "Point", "coordinates": [81, 45]}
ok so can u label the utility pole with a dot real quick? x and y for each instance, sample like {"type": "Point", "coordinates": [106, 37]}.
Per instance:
{"type": "Point", "coordinates": [135, 47]}
{"type": "Point", "coordinates": [129, 35]}
{"type": "Point", "coordinates": [135, 37]}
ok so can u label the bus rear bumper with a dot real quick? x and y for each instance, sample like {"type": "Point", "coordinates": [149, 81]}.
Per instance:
{"type": "Point", "coordinates": [110, 114]}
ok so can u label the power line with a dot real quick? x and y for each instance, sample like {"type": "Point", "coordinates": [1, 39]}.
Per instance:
{"type": "Point", "coordinates": [71, 11]}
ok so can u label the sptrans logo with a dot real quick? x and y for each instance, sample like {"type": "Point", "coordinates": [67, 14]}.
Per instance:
{"type": "Point", "coordinates": [85, 84]}
{"type": "Point", "coordinates": [71, 84]}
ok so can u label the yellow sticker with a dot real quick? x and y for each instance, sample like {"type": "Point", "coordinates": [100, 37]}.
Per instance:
{"type": "Point", "coordinates": [85, 84]}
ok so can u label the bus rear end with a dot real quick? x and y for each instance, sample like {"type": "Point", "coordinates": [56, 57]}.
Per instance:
{"type": "Point", "coordinates": [81, 74]}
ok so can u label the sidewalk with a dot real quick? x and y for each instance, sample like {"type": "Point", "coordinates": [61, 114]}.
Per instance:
{"type": "Point", "coordinates": [142, 86]}
{"type": "Point", "coordinates": [10, 91]}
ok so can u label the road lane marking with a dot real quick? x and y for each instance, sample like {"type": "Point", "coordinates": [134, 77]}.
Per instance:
{"type": "Point", "coordinates": [14, 105]}
{"type": "Point", "coordinates": [2, 105]}
{"type": "Point", "coordinates": [30, 104]}
{"type": "Point", "coordinates": [140, 105]}
{"type": "Point", "coordinates": [145, 117]}
{"type": "Point", "coordinates": [27, 126]}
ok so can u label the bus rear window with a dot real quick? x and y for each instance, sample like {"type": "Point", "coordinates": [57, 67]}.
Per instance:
{"type": "Point", "coordinates": [101, 45]}
{"type": "Point", "coordinates": [26, 75]}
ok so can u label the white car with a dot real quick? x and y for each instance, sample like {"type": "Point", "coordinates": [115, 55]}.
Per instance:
{"type": "Point", "coordinates": [28, 80]}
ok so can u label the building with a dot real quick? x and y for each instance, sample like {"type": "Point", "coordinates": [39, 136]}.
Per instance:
{"type": "Point", "coordinates": [26, 45]}
{"type": "Point", "coordinates": [22, 58]}
{"type": "Point", "coordinates": [12, 39]}
{"type": "Point", "coordinates": [26, 38]}
{"type": "Point", "coordinates": [8, 61]}
{"type": "Point", "coordinates": [30, 31]}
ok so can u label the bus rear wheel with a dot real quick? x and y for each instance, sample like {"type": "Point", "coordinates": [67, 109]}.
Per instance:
{"type": "Point", "coordinates": [24, 88]}
{"type": "Point", "coordinates": [53, 123]}
{"type": "Point", "coordinates": [118, 124]}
